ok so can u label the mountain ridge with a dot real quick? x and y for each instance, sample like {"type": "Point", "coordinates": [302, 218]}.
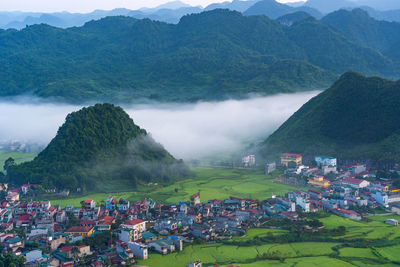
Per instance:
{"type": "Point", "coordinates": [207, 56]}
{"type": "Point", "coordinates": [354, 119]}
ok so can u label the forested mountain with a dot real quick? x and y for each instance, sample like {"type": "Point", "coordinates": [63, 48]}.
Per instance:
{"type": "Point", "coordinates": [97, 145]}
{"type": "Point", "coordinates": [358, 117]}
{"type": "Point", "coordinates": [211, 55]}
{"type": "Point", "coordinates": [274, 9]}
{"type": "Point", "coordinates": [359, 27]}
{"type": "Point", "coordinates": [292, 18]}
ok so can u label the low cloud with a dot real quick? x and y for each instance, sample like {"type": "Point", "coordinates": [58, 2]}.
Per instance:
{"type": "Point", "coordinates": [188, 131]}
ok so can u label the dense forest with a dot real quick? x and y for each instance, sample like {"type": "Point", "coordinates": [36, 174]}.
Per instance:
{"type": "Point", "coordinates": [212, 55]}
{"type": "Point", "coordinates": [358, 117]}
{"type": "Point", "coordinates": [95, 145]}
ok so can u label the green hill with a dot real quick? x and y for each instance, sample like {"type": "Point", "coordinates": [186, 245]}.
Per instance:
{"type": "Point", "coordinates": [358, 117]}
{"type": "Point", "coordinates": [96, 145]}
{"type": "Point", "coordinates": [210, 56]}
{"type": "Point", "coordinates": [359, 27]}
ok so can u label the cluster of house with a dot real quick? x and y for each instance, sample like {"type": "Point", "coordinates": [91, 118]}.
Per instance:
{"type": "Point", "coordinates": [347, 187]}
{"type": "Point", "coordinates": [144, 226]}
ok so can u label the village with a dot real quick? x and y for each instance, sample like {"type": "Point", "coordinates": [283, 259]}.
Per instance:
{"type": "Point", "coordinates": [120, 232]}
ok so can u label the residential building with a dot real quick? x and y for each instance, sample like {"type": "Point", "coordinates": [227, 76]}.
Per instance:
{"type": "Point", "coordinates": [319, 181]}
{"type": "Point", "coordinates": [84, 231]}
{"type": "Point", "coordinates": [249, 160]}
{"type": "Point", "coordinates": [286, 158]}
{"type": "Point", "coordinates": [270, 167]}
{"type": "Point", "coordinates": [392, 222]}
{"type": "Point", "coordinates": [137, 224]}
{"type": "Point", "coordinates": [355, 183]}
{"type": "Point", "coordinates": [89, 204]}
{"type": "Point", "coordinates": [111, 203]}
{"type": "Point", "coordinates": [123, 204]}
{"type": "Point", "coordinates": [325, 161]}
{"type": "Point", "coordinates": [139, 250]}
{"type": "Point", "coordinates": [195, 199]}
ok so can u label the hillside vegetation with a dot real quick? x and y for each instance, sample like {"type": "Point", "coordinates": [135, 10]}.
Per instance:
{"type": "Point", "coordinates": [358, 117]}
{"type": "Point", "coordinates": [212, 55]}
{"type": "Point", "coordinates": [95, 145]}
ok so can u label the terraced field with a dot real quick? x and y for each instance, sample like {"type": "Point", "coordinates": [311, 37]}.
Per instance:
{"type": "Point", "coordinates": [332, 254]}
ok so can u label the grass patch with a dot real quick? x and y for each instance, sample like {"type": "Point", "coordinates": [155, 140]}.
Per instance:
{"type": "Point", "coordinates": [210, 182]}
{"type": "Point", "coordinates": [19, 157]}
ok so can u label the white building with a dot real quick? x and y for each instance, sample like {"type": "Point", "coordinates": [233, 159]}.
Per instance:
{"type": "Point", "coordinates": [249, 160]}
{"type": "Point", "coordinates": [392, 222]}
{"type": "Point", "coordinates": [136, 224]}
{"type": "Point", "coordinates": [34, 256]}
{"type": "Point", "coordinates": [355, 183]}
{"type": "Point", "coordinates": [325, 161]}
{"type": "Point", "coordinates": [381, 198]}
{"type": "Point", "coordinates": [139, 250]}
{"type": "Point", "coordinates": [304, 203]}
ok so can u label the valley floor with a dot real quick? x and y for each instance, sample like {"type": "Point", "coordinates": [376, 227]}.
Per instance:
{"type": "Point", "coordinates": [210, 182]}
{"type": "Point", "coordinates": [344, 252]}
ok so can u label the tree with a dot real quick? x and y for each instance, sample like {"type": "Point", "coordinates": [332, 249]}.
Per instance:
{"type": "Point", "coordinates": [72, 221]}
{"type": "Point", "coordinates": [2, 177]}
{"type": "Point", "coordinates": [75, 253]}
{"type": "Point", "coordinates": [8, 163]}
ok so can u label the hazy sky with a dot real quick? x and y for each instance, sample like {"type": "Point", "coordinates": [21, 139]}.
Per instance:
{"type": "Point", "coordinates": [90, 5]}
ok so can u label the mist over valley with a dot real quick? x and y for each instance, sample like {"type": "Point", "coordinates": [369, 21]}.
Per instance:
{"type": "Point", "coordinates": [187, 131]}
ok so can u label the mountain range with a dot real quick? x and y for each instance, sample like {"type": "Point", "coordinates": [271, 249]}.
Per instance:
{"type": "Point", "coordinates": [173, 11]}
{"type": "Point", "coordinates": [212, 55]}
{"type": "Point", "coordinates": [97, 146]}
{"type": "Point", "coordinates": [357, 118]}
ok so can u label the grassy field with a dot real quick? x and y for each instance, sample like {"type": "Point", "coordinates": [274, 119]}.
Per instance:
{"type": "Point", "coordinates": [211, 183]}
{"type": "Point", "coordinates": [19, 157]}
{"type": "Point", "coordinates": [375, 228]}
{"type": "Point", "coordinates": [294, 254]}
{"type": "Point", "coordinates": [224, 254]}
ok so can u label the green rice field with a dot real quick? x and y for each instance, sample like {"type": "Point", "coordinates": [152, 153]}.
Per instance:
{"type": "Point", "coordinates": [211, 183]}
{"type": "Point", "coordinates": [293, 254]}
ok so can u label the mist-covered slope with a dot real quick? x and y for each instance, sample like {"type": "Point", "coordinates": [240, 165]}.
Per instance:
{"type": "Point", "coordinates": [212, 55]}
{"type": "Point", "coordinates": [96, 146]}
{"type": "Point", "coordinates": [358, 117]}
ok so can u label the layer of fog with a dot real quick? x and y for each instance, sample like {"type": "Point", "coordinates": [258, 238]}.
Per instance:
{"type": "Point", "coordinates": [187, 130]}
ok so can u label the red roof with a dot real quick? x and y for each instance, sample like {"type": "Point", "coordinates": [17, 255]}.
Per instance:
{"type": "Point", "coordinates": [314, 191]}
{"type": "Point", "coordinates": [88, 201]}
{"type": "Point", "coordinates": [348, 212]}
{"type": "Point", "coordinates": [134, 222]}
{"type": "Point", "coordinates": [79, 229]}
{"type": "Point", "coordinates": [65, 249]}
{"type": "Point", "coordinates": [88, 223]}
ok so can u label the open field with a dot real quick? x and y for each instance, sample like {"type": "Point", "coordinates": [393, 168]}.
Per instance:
{"type": "Point", "coordinates": [224, 254]}
{"type": "Point", "coordinates": [19, 157]}
{"type": "Point", "coordinates": [375, 228]}
{"type": "Point", "coordinates": [293, 254]}
{"type": "Point", "coordinates": [211, 183]}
